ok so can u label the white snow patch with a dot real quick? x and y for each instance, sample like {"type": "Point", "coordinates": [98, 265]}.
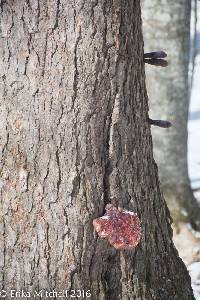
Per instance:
{"type": "Point", "coordinates": [129, 212]}
{"type": "Point", "coordinates": [194, 270]}
{"type": "Point", "coordinates": [105, 217]}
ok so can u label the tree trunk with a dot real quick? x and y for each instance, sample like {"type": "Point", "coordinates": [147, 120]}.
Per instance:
{"type": "Point", "coordinates": [167, 27]}
{"type": "Point", "coordinates": [74, 135]}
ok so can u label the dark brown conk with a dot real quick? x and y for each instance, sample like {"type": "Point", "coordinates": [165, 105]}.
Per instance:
{"type": "Point", "coordinates": [160, 123]}
{"type": "Point", "coordinates": [156, 58]}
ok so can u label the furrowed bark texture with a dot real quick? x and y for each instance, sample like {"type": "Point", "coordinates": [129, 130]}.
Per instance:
{"type": "Point", "coordinates": [166, 26]}
{"type": "Point", "coordinates": [74, 134]}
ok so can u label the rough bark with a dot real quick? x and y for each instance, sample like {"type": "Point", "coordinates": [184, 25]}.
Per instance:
{"type": "Point", "coordinates": [166, 26]}
{"type": "Point", "coordinates": [74, 134]}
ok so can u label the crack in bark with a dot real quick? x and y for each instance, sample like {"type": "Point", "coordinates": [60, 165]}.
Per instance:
{"type": "Point", "coordinates": [57, 15]}
{"type": "Point", "coordinates": [47, 251]}
{"type": "Point", "coordinates": [44, 56]}
{"type": "Point", "coordinates": [6, 142]}
{"type": "Point", "coordinates": [59, 181]}
{"type": "Point", "coordinates": [1, 4]}
{"type": "Point", "coordinates": [75, 82]}
{"type": "Point", "coordinates": [38, 14]}
{"type": "Point", "coordinates": [74, 7]}
{"type": "Point", "coordinates": [54, 52]}
{"type": "Point", "coordinates": [94, 4]}
{"type": "Point", "coordinates": [12, 25]}
{"type": "Point", "coordinates": [4, 257]}
{"type": "Point", "coordinates": [27, 57]}
{"type": "Point", "coordinates": [61, 115]}
{"type": "Point", "coordinates": [47, 173]}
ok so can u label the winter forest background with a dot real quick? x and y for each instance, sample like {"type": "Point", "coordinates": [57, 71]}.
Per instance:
{"type": "Point", "coordinates": [186, 239]}
{"type": "Point", "coordinates": [187, 243]}
{"type": "Point", "coordinates": [194, 141]}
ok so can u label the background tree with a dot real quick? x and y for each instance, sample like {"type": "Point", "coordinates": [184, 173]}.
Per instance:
{"type": "Point", "coordinates": [166, 26]}
{"type": "Point", "coordinates": [74, 134]}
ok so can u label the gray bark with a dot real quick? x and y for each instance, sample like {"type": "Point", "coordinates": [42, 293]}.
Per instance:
{"type": "Point", "coordinates": [74, 134]}
{"type": "Point", "coordinates": [166, 26]}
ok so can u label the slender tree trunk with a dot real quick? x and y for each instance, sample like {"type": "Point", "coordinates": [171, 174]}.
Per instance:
{"type": "Point", "coordinates": [74, 134]}
{"type": "Point", "coordinates": [166, 26]}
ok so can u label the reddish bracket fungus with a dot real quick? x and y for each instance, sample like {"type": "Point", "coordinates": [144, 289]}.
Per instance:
{"type": "Point", "coordinates": [122, 228]}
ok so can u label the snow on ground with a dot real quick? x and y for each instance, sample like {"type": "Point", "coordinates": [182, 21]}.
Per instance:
{"type": "Point", "coordinates": [195, 278]}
